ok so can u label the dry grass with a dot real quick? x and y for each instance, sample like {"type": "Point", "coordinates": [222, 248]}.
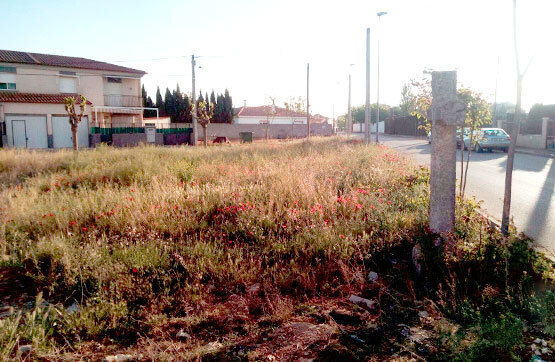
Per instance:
{"type": "Point", "coordinates": [142, 236]}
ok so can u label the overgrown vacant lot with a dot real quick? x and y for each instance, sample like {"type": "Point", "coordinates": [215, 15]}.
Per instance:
{"type": "Point", "coordinates": [251, 252]}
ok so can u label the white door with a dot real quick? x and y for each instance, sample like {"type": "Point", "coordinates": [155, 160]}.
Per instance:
{"type": "Point", "coordinates": [150, 133]}
{"type": "Point", "coordinates": [61, 132]}
{"type": "Point", "coordinates": [33, 127]}
{"type": "Point", "coordinates": [19, 136]}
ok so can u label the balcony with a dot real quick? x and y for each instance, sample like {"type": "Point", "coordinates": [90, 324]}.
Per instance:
{"type": "Point", "coordinates": [117, 100]}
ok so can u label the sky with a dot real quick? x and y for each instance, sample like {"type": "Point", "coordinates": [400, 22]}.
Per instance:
{"type": "Point", "coordinates": [260, 48]}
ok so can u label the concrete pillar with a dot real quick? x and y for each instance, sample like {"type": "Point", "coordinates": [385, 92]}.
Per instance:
{"type": "Point", "coordinates": [544, 131]}
{"type": "Point", "coordinates": [446, 112]}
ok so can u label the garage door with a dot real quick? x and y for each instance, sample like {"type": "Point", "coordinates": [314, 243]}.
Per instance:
{"type": "Point", "coordinates": [61, 132]}
{"type": "Point", "coordinates": [26, 131]}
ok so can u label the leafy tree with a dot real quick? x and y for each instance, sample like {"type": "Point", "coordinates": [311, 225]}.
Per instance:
{"type": "Point", "coordinates": [478, 113]}
{"type": "Point", "coordinates": [204, 112]}
{"type": "Point", "coordinates": [270, 111]}
{"type": "Point", "coordinates": [500, 110]}
{"type": "Point", "coordinates": [422, 102]}
{"type": "Point", "coordinates": [74, 117]}
{"type": "Point", "coordinates": [408, 100]}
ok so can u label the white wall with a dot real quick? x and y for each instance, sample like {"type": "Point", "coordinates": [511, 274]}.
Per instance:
{"type": "Point", "coordinates": [359, 127]}
{"type": "Point", "coordinates": [274, 120]}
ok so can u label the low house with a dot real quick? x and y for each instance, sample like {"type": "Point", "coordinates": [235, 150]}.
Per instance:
{"type": "Point", "coordinates": [33, 87]}
{"type": "Point", "coordinates": [273, 115]}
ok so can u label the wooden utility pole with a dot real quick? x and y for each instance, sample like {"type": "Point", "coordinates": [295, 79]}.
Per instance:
{"type": "Point", "coordinates": [194, 97]}
{"type": "Point", "coordinates": [307, 101]}
{"type": "Point", "coordinates": [367, 113]}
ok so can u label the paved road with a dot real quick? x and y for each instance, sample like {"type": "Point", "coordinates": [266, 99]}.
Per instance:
{"type": "Point", "coordinates": [533, 199]}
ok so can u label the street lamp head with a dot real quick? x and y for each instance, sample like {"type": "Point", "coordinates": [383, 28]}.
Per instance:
{"type": "Point", "coordinates": [382, 13]}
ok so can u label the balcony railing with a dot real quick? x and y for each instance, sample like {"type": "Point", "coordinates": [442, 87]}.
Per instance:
{"type": "Point", "coordinates": [117, 100]}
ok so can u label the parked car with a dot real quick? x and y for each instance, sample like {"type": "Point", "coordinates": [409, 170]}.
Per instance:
{"type": "Point", "coordinates": [466, 132]}
{"type": "Point", "coordinates": [488, 139]}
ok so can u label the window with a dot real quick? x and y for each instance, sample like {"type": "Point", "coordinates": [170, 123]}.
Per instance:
{"type": "Point", "coordinates": [7, 81]}
{"type": "Point", "coordinates": [4, 69]}
{"type": "Point", "coordinates": [114, 80]}
{"type": "Point", "coordinates": [68, 85]}
{"type": "Point", "coordinates": [65, 72]}
{"type": "Point", "coordinates": [7, 86]}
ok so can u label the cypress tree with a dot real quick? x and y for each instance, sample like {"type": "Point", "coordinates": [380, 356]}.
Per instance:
{"type": "Point", "coordinates": [218, 109]}
{"type": "Point", "coordinates": [228, 107]}
{"type": "Point", "coordinates": [213, 101]}
{"type": "Point", "coordinates": [207, 100]}
{"type": "Point", "coordinates": [199, 100]}
{"type": "Point", "coordinates": [160, 102]}
{"type": "Point", "coordinates": [169, 105]}
{"type": "Point", "coordinates": [187, 117]}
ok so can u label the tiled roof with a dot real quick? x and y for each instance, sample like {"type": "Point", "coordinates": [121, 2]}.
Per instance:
{"type": "Point", "coordinates": [263, 111]}
{"type": "Point", "coordinates": [10, 56]}
{"type": "Point", "coordinates": [15, 97]}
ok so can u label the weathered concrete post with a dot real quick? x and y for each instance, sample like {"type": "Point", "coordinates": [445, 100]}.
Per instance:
{"type": "Point", "coordinates": [446, 112]}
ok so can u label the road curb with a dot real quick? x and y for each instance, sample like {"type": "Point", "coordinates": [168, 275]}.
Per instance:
{"type": "Point", "coordinates": [532, 153]}
{"type": "Point", "coordinates": [538, 248]}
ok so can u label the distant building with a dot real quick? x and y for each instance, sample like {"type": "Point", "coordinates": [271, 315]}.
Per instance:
{"type": "Point", "coordinates": [274, 115]}
{"type": "Point", "coordinates": [32, 91]}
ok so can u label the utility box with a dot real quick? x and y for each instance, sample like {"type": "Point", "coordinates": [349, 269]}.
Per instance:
{"type": "Point", "coordinates": [246, 137]}
{"type": "Point", "coordinates": [150, 130]}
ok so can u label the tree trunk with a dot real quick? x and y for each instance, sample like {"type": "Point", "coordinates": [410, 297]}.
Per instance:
{"type": "Point", "coordinates": [469, 151]}
{"type": "Point", "coordinates": [510, 160]}
{"type": "Point", "coordinates": [514, 134]}
{"type": "Point", "coordinates": [74, 137]}
{"type": "Point", "coordinates": [462, 164]}
{"type": "Point", "coordinates": [205, 136]}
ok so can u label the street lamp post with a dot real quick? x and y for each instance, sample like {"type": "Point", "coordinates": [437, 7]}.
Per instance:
{"type": "Point", "coordinates": [378, 89]}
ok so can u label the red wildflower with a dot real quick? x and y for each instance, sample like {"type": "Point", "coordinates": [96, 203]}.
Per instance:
{"type": "Point", "coordinates": [341, 236]}
{"type": "Point", "coordinates": [358, 206]}
{"type": "Point", "coordinates": [134, 270]}
{"type": "Point", "coordinates": [43, 216]}
{"type": "Point", "coordinates": [130, 199]}
{"type": "Point", "coordinates": [84, 229]}
{"type": "Point", "coordinates": [132, 190]}
{"type": "Point", "coordinates": [389, 202]}
{"type": "Point", "coordinates": [72, 222]}
{"type": "Point", "coordinates": [51, 214]}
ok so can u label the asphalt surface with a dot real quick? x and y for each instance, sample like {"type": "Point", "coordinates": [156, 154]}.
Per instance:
{"type": "Point", "coordinates": [533, 198]}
